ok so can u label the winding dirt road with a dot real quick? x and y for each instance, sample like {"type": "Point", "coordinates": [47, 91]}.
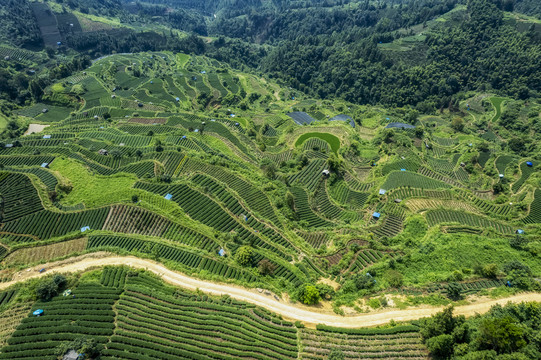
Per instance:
{"type": "Point", "coordinates": [288, 310]}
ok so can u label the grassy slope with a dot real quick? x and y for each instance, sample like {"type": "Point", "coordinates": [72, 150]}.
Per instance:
{"type": "Point", "coordinates": [92, 190]}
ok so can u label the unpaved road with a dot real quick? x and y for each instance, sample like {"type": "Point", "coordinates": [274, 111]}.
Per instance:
{"type": "Point", "coordinates": [290, 311]}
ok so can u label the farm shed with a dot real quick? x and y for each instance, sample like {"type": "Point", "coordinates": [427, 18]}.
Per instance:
{"type": "Point", "coordinates": [46, 136]}
{"type": "Point", "coordinates": [520, 231]}
{"type": "Point", "coordinates": [326, 172]}
{"type": "Point", "coordinates": [501, 176]}
{"type": "Point", "coordinates": [85, 228]}
{"type": "Point", "coordinates": [376, 215]}
{"type": "Point", "coordinates": [45, 165]}
{"type": "Point", "coordinates": [398, 201]}
{"type": "Point", "coordinates": [103, 152]}
{"type": "Point", "coordinates": [44, 111]}
{"type": "Point", "coordinates": [221, 252]}
{"type": "Point", "coordinates": [38, 312]}
{"type": "Point", "coordinates": [529, 163]}
{"type": "Point", "coordinates": [168, 197]}
{"type": "Point", "coordinates": [382, 191]}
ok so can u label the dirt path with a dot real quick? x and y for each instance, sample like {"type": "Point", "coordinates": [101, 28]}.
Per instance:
{"type": "Point", "coordinates": [35, 128]}
{"type": "Point", "coordinates": [290, 311]}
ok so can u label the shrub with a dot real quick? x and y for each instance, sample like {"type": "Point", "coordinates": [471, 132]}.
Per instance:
{"type": "Point", "coordinates": [441, 345]}
{"type": "Point", "coordinates": [244, 255]}
{"type": "Point", "coordinates": [266, 267]}
{"type": "Point", "coordinates": [453, 291]}
{"type": "Point", "coordinates": [309, 294]}
{"type": "Point", "coordinates": [325, 291]}
{"type": "Point", "coordinates": [394, 278]}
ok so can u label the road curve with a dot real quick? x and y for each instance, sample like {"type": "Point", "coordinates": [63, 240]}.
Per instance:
{"type": "Point", "coordinates": [287, 310]}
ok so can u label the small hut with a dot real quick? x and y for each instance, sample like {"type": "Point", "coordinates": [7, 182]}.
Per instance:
{"type": "Point", "coordinates": [221, 252]}
{"type": "Point", "coordinates": [168, 197]}
{"type": "Point", "coordinates": [85, 228]}
{"type": "Point", "coordinates": [38, 312]}
{"type": "Point", "coordinates": [103, 152]}
{"type": "Point", "coordinates": [382, 191]}
{"type": "Point", "coordinates": [46, 136]}
{"type": "Point", "coordinates": [326, 172]}
{"type": "Point", "coordinates": [45, 165]}
{"type": "Point", "coordinates": [376, 215]}
{"type": "Point", "coordinates": [529, 163]}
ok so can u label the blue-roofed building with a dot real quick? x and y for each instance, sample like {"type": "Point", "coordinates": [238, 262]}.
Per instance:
{"type": "Point", "coordinates": [46, 136]}
{"type": "Point", "coordinates": [221, 252]}
{"type": "Point", "coordinates": [520, 231]}
{"type": "Point", "coordinates": [402, 169]}
{"type": "Point", "coordinates": [184, 136]}
{"type": "Point", "coordinates": [177, 99]}
{"type": "Point", "coordinates": [529, 163]}
{"type": "Point", "coordinates": [382, 191]}
{"type": "Point", "coordinates": [376, 215]}
{"type": "Point", "coordinates": [44, 165]}
{"type": "Point", "coordinates": [85, 228]}
{"type": "Point", "coordinates": [501, 176]}
{"type": "Point", "coordinates": [168, 197]}
{"type": "Point", "coordinates": [38, 312]}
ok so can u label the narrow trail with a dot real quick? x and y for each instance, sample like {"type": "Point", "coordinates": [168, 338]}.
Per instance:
{"type": "Point", "coordinates": [309, 316]}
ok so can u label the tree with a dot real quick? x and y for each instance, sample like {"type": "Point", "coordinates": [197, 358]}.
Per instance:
{"type": "Point", "coordinates": [266, 267]}
{"type": "Point", "coordinates": [60, 281]}
{"type": "Point", "coordinates": [441, 345]}
{"type": "Point", "coordinates": [503, 335]}
{"type": "Point", "coordinates": [243, 255]}
{"type": "Point", "coordinates": [134, 198]}
{"type": "Point", "coordinates": [453, 291]}
{"type": "Point", "coordinates": [490, 270]}
{"type": "Point", "coordinates": [46, 290]}
{"type": "Point", "coordinates": [325, 291]}
{"type": "Point", "coordinates": [441, 323]}
{"type": "Point", "coordinates": [309, 294]}
{"type": "Point", "coordinates": [335, 163]}
{"type": "Point", "coordinates": [457, 123]}
{"type": "Point", "coordinates": [363, 281]}
{"type": "Point", "coordinates": [290, 201]}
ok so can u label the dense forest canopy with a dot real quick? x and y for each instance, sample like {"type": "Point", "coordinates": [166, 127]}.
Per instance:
{"type": "Point", "coordinates": [330, 48]}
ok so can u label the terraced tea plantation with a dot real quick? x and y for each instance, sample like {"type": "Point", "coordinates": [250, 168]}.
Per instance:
{"type": "Point", "coordinates": [130, 314]}
{"type": "Point", "coordinates": [228, 177]}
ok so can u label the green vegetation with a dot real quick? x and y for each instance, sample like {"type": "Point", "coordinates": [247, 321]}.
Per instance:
{"type": "Point", "coordinates": [332, 140]}
{"type": "Point", "coordinates": [506, 332]}
{"type": "Point", "coordinates": [162, 132]}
